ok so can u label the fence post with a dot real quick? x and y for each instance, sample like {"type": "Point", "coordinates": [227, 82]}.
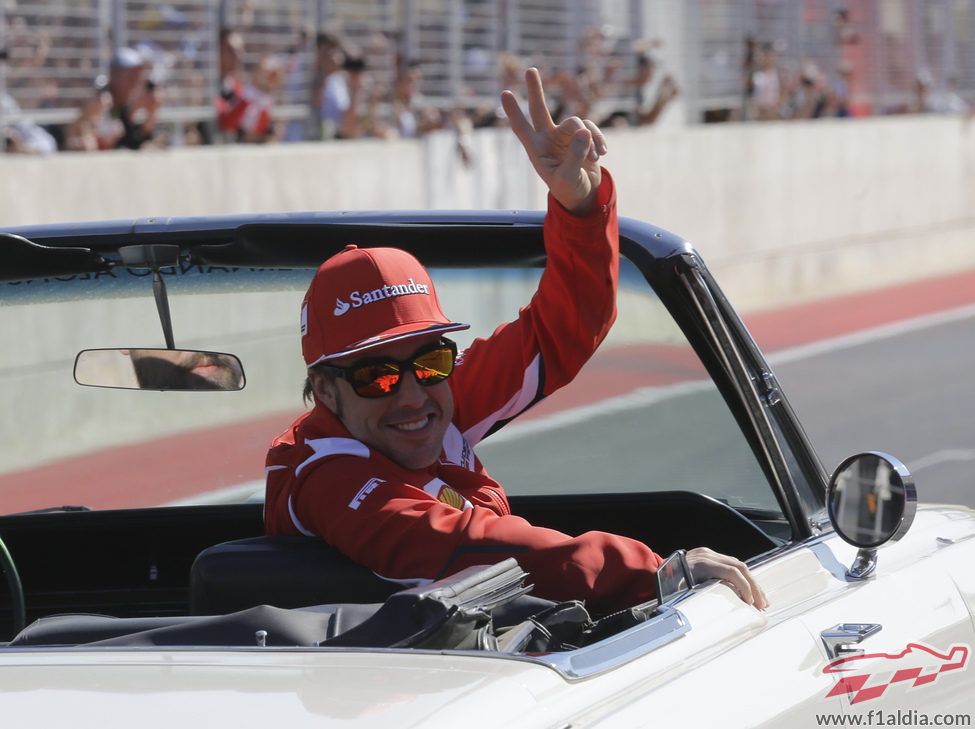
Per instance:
{"type": "Point", "coordinates": [455, 51]}
{"type": "Point", "coordinates": [119, 32]}
{"type": "Point", "coordinates": [323, 14]}
{"type": "Point", "coordinates": [408, 45]}
{"type": "Point", "coordinates": [950, 55]}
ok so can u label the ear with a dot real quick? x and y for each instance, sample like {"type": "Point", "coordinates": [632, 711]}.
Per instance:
{"type": "Point", "coordinates": [324, 389]}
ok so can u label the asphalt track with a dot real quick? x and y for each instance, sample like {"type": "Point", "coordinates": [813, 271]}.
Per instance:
{"type": "Point", "coordinates": [908, 390]}
{"type": "Point", "coordinates": [898, 375]}
{"type": "Point", "coordinates": [888, 370]}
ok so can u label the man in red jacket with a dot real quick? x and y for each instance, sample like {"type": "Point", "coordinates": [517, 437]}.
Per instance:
{"type": "Point", "coordinates": [383, 466]}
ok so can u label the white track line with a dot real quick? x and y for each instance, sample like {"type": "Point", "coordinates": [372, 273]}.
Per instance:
{"type": "Point", "coordinates": [251, 491]}
{"type": "Point", "coordinates": [948, 455]}
{"type": "Point", "coordinates": [865, 336]}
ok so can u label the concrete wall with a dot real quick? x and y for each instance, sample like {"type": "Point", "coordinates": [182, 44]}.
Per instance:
{"type": "Point", "coordinates": [795, 210]}
{"type": "Point", "coordinates": [780, 211]}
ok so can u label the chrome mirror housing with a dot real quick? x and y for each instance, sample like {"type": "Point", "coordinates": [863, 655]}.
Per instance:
{"type": "Point", "coordinates": [871, 500]}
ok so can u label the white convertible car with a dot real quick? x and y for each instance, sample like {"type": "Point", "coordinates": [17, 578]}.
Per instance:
{"type": "Point", "coordinates": [147, 364]}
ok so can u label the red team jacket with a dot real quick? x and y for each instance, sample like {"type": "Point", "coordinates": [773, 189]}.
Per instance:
{"type": "Point", "coordinates": [426, 524]}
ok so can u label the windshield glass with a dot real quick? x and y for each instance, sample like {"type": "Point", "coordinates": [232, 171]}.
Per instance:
{"type": "Point", "coordinates": [642, 416]}
{"type": "Point", "coordinates": [101, 448]}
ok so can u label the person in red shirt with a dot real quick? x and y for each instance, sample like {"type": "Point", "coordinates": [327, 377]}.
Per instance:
{"type": "Point", "coordinates": [383, 467]}
{"type": "Point", "coordinates": [231, 104]}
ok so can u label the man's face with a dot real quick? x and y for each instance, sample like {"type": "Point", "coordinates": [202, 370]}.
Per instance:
{"type": "Point", "coordinates": [407, 426]}
{"type": "Point", "coordinates": [123, 81]}
{"type": "Point", "coordinates": [186, 370]}
{"type": "Point", "coordinates": [330, 57]}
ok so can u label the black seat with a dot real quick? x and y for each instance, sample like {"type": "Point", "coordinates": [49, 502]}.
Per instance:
{"type": "Point", "coordinates": [284, 571]}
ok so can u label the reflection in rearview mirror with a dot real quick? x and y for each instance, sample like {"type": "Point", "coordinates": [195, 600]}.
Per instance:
{"type": "Point", "coordinates": [158, 369]}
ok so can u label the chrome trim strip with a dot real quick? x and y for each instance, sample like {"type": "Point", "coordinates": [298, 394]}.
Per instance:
{"type": "Point", "coordinates": [666, 626]}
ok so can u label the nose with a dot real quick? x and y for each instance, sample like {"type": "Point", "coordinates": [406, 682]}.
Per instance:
{"type": "Point", "coordinates": [411, 393]}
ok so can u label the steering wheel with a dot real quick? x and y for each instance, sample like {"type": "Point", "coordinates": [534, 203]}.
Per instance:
{"type": "Point", "coordinates": [18, 609]}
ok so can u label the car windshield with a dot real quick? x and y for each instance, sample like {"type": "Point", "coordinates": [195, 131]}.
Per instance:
{"type": "Point", "coordinates": [642, 416]}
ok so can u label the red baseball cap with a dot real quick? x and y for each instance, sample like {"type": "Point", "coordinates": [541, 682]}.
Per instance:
{"type": "Point", "coordinates": [362, 298]}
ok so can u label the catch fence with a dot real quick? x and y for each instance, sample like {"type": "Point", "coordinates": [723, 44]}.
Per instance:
{"type": "Point", "coordinates": [54, 51]}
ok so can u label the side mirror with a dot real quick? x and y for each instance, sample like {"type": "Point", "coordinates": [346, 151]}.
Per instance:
{"type": "Point", "coordinates": [158, 369]}
{"type": "Point", "coordinates": [871, 500]}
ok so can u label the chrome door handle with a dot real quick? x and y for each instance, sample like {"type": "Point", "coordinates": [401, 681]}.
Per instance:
{"type": "Point", "coordinates": [842, 639]}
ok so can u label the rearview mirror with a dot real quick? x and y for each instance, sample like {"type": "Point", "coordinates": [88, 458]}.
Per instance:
{"type": "Point", "coordinates": [158, 369]}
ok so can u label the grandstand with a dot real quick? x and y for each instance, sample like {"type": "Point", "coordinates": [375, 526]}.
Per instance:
{"type": "Point", "coordinates": [54, 51]}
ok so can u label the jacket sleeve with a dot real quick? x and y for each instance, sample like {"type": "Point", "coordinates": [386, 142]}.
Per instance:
{"type": "Point", "coordinates": [404, 533]}
{"type": "Point", "coordinates": [553, 337]}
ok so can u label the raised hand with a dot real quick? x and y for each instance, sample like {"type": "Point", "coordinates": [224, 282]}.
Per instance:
{"type": "Point", "coordinates": [566, 156]}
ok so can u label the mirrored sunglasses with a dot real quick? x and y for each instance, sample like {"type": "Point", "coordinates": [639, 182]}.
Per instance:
{"type": "Point", "coordinates": [381, 377]}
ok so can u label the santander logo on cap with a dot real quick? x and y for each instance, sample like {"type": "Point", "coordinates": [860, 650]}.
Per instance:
{"type": "Point", "coordinates": [358, 298]}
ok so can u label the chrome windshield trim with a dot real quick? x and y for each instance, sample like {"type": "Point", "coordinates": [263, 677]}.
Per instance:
{"type": "Point", "coordinates": [742, 377]}
{"type": "Point", "coordinates": [666, 626]}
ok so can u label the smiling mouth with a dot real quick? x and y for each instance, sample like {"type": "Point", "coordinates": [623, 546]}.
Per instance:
{"type": "Point", "coordinates": [412, 425]}
{"type": "Point", "coordinates": [205, 369]}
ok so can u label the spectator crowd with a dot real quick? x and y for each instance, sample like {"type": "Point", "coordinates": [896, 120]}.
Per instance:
{"type": "Point", "coordinates": [778, 88]}
{"type": "Point", "coordinates": [324, 87]}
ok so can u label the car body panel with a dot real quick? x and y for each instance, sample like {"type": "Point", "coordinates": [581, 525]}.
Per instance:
{"type": "Point", "coordinates": [256, 688]}
{"type": "Point", "coordinates": [732, 648]}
